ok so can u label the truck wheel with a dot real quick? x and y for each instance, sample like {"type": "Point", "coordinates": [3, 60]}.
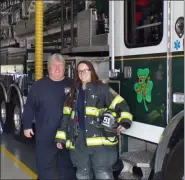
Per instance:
{"type": "Point", "coordinates": [175, 164]}
{"type": "Point", "coordinates": [6, 125]}
{"type": "Point", "coordinates": [17, 129]}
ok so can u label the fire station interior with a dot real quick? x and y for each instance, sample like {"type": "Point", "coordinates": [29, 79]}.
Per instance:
{"type": "Point", "coordinates": [17, 38]}
{"type": "Point", "coordinates": [17, 54]}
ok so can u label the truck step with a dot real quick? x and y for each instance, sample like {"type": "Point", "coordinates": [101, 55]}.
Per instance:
{"type": "Point", "coordinates": [127, 176]}
{"type": "Point", "coordinates": [137, 158]}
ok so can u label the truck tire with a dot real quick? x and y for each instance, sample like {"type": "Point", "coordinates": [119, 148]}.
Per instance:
{"type": "Point", "coordinates": [17, 121]}
{"type": "Point", "coordinates": [6, 125]}
{"type": "Point", "coordinates": [175, 164]}
{"type": "Point", "coordinates": [15, 115]}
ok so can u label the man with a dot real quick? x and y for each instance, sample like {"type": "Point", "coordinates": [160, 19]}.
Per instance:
{"type": "Point", "coordinates": [45, 104]}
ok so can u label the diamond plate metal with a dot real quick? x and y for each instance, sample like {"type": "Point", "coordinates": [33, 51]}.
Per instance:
{"type": "Point", "coordinates": [136, 145]}
{"type": "Point", "coordinates": [140, 145]}
{"type": "Point", "coordinates": [138, 158]}
{"type": "Point", "coordinates": [146, 173]}
{"type": "Point", "coordinates": [127, 176]}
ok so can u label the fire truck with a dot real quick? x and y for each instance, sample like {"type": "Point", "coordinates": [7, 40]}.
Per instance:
{"type": "Point", "coordinates": [137, 47]}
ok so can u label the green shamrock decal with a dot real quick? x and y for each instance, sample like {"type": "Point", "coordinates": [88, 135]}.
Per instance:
{"type": "Point", "coordinates": [144, 87]}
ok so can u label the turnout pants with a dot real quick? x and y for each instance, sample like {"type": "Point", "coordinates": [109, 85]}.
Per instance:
{"type": "Point", "coordinates": [49, 158]}
{"type": "Point", "coordinates": [93, 162]}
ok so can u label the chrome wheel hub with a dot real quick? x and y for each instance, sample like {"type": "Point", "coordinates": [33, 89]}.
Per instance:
{"type": "Point", "coordinates": [3, 112]}
{"type": "Point", "coordinates": [17, 118]}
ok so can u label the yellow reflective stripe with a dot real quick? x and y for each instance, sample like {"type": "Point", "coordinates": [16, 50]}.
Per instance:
{"type": "Point", "coordinates": [118, 99]}
{"type": "Point", "coordinates": [114, 114]}
{"type": "Point", "coordinates": [93, 111]}
{"type": "Point", "coordinates": [69, 145]}
{"type": "Point", "coordinates": [66, 110]}
{"type": "Point", "coordinates": [125, 115]}
{"type": "Point", "coordinates": [100, 141]}
{"type": "Point", "coordinates": [72, 115]}
{"type": "Point", "coordinates": [61, 135]}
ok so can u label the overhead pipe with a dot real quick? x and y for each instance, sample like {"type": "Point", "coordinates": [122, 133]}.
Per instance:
{"type": "Point", "coordinates": [0, 38]}
{"type": "Point", "coordinates": [62, 24]}
{"type": "Point", "coordinates": [72, 25]}
{"type": "Point", "coordinates": [39, 6]}
{"type": "Point", "coordinates": [112, 36]}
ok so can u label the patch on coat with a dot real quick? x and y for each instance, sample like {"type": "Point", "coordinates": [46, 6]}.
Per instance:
{"type": "Point", "coordinates": [67, 90]}
{"type": "Point", "coordinates": [93, 96]}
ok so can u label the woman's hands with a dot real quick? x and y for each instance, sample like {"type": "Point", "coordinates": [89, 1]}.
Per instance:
{"type": "Point", "coordinates": [60, 146]}
{"type": "Point", "coordinates": [120, 129]}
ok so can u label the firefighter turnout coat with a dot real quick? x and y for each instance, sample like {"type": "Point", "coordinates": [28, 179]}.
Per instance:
{"type": "Point", "coordinates": [97, 97]}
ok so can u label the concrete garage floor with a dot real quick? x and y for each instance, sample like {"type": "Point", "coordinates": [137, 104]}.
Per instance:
{"type": "Point", "coordinates": [17, 159]}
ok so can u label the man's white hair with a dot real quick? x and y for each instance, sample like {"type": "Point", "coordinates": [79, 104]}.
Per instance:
{"type": "Point", "coordinates": [55, 57]}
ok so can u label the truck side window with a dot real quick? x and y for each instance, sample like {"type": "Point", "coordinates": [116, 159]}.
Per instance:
{"type": "Point", "coordinates": [143, 22]}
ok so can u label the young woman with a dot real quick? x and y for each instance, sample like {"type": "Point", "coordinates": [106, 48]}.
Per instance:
{"type": "Point", "coordinates": [92, 148]}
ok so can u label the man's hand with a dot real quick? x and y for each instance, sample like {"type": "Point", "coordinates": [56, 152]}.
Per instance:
{"type": "Point", "coordinates": [120, 129]}
{"type": "Point", "coordinates": [28, 133]}
{"type": "Point", "coordinates": [59, 146]}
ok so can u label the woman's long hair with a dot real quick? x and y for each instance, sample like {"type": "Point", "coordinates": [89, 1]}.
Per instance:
{"type": "Point", "coordinates": [77, 81]}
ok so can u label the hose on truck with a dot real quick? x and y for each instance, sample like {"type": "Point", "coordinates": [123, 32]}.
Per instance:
{"type": "Point", "coordinates": [39, 5]}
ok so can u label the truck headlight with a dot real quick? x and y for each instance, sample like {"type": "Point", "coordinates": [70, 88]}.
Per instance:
{"type": "Point", "coordinates": [179, 26]}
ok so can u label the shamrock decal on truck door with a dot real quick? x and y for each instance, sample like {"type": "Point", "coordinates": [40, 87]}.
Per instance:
{"type": "Point", "coordinates": [144, 87]}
